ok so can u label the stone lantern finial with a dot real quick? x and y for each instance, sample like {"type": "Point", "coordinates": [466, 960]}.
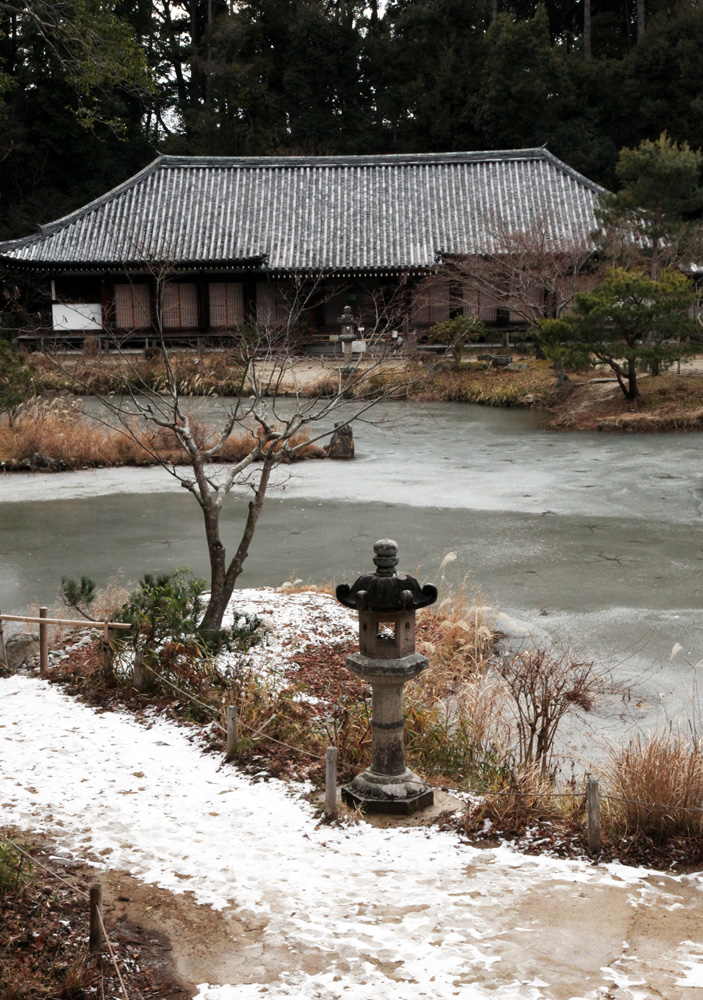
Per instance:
{"type": "Point", "coordinates": [385, 557]}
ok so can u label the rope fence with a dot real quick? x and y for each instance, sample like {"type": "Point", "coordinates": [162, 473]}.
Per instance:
{"type": "Point", "coordinates": [593, 795]}
{"type": "Point", "coordinates": [95, 915]}
{"type": "Point", "coordinates": [604, 797]}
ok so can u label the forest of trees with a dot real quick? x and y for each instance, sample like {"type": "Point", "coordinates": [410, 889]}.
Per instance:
{"type": "Point", "coordinates": [90, 90]}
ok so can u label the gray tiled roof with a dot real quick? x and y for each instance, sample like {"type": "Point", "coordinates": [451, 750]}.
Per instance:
{"type": "Point", "coordinates": [314, 213]}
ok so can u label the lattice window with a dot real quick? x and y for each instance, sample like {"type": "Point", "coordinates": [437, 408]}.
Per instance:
{"type": "Point", "coordinates": [132, 307]}
{"type": "Point", "coordinates": [226, 305]}
{"type": "Point", "coordinates": [471, 302]}
{"type": "Point", "coordinates": [180, 306]}
{"type": "Point", "coordinates": [271, 306]}
{"type": "Point", "coordinates": [431, 305]}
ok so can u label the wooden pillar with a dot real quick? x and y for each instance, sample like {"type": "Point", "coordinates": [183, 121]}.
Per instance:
{"type": "Point", "coordinates": [142, 677]}
{"type": "Point", "coordinates": [43, 644]}
{"type": "Point", "coordinates": [107, 303]}
{"type": "Point", "coordinates": [3, 654]}
{"type": "Point", "coordinates": [587, 29]}
{"type": "Point", "coordinates": [107, 651]}
{"type": "Point", "coordinates": [640, 19]}
{"type": "Point", "coordinates": [203, 306]}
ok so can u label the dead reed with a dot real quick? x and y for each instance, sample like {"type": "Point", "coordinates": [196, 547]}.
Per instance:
{"type": "Point", "coordinates": [661, 778]}
{"type": "Point", "coordinates": [56, 434]}
{"type": "Point", "coordinates": [525, 796]}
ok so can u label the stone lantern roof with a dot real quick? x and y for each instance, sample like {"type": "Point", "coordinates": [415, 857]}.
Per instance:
{"type": "Point", "coordinates": [385, 590]}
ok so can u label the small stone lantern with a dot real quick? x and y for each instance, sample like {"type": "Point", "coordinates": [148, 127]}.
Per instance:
{"type": "Point", "coordinates": [347, 333]}
{"type": "Point", "coordinates": [387, 603]}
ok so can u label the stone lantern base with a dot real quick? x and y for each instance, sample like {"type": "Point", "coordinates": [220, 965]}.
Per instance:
{"type": "Point", "coordinates": [397, 795]}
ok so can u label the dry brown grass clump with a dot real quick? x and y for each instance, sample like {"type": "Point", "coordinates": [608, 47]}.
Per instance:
{"type": "Point", "coordinates": [536, 386]}
{"type": "Point", "coordinates": [458, 640]}
{"type": "Point", "coordinates": [212, 373]}
{"type": "Point", "coordinates": [661, 777]}
{"type": "Point", "coordinates": [55, 434]}
{"type": "Point", "coordinates": [526, 796]}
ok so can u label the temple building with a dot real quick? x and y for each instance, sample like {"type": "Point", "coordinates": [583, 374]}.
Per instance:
{"type": "Point", "coordinates": [196, 246]}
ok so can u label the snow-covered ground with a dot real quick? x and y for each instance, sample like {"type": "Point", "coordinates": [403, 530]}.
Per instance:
{"type": "Point", "coordinates": [400, 913]}
{"type": "Point", "coordinates": [294, 621]}
{"type": "Point", "coordinates": [342, 913]}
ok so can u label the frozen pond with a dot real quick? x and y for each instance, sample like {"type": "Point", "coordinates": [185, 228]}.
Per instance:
{"type": "Point", "coordinates": [595, 537]}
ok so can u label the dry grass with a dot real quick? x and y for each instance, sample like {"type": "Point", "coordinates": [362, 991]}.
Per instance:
{"type": "Point", "coordinates": [536, 386]}
{"type": "Point", "coordinates": [526, 797]}
{"type": "Point", "coordinates": [668, 402]}
{"type": "Point", "coordinates": [662, 777]}
{"type": "Point", "coordinates": [213, 373]}
{"type": "Point", "coordinates": [456, 637]}
{"type": "Point", "coordinates": [55, 434]}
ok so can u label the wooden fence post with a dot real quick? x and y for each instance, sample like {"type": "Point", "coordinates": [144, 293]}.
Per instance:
{"type": "Point", "coordinates": [593, 806]}
{"type": "Point", "coordinates": [107, 652]}
{"type": "Point", "coordinates": [96, 910]}
{"type": "Point", "coordinates": [3, 654]}
{"type": "Point", "coordinates": [43, 644]}
{"type": "Point", "coordinates": [142, 677]}
{"type": "Point", "coordinates": [232, 731]}
{"type": "Point", "coordinates": [331, 782]}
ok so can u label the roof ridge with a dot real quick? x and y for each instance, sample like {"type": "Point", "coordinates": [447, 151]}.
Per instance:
{"type": "Point", "coordinates": [46, 229]}
{"type": "Point", "coordinates": [370, 159]}
{"type": "Point", "coordinates": [581, 178]}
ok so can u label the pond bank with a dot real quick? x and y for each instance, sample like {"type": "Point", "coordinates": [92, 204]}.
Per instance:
{"type": "Point", "coordinates": [589, 400]}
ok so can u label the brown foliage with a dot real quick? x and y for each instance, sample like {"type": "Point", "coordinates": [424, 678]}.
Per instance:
{"type": "Point", "coordinates": [59, 431]}
{"type": "Point", "coordinates": [661, 776]}
{"type": "Point", "coordinates": [545, 685]}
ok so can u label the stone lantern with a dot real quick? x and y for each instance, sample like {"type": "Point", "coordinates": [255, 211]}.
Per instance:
{"type": "Point", "coordinates": [387, 602]}
{"type": "Point", "coordinates": [347, 334]}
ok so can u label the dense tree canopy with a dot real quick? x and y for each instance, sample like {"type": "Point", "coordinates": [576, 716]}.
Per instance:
{"type": "Point", "coordinates": [91, 89]}
{"type": "Point", "coordinates": [626, 322]}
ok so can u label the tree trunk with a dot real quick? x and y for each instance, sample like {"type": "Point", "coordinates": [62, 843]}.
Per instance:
{"type": "Point", "coordinates": [640, 19]}
{"type": "Point", "coordinates": [587, 28]}
{"type": "Point", "coordinates": [632, 388]}
{"type": "Point", "coordinates": [654, 262]}
{"type": "Point", "coordinates": [222, 582]}
{"type": "Point", "coordinates": [494, 10]}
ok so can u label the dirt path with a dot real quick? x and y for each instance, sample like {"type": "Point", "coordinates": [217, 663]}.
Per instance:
{"type": "Point", "coordinates": [576, 939]}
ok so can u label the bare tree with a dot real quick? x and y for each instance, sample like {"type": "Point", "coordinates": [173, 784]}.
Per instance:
{"type": "Point", "coordinates": [273, 412]}
{"type": "Point", "coordinates": [530, 273]}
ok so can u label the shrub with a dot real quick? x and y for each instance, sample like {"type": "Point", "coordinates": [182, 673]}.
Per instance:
{"type": "Point", "coordinates": [545, 686]}
{"type": "Point", "coordinates": [661, 777]}
{"type": "Point", "coordinates": [15, 381]}
{"type": "Point", "coordinates": [524, 796]}
{"type": "Point", "coordinates": [165, 612]}
{"type": "Point", "coordinates": [14, 870]}
{"type": "Point", "coordinates": [456, 332]}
